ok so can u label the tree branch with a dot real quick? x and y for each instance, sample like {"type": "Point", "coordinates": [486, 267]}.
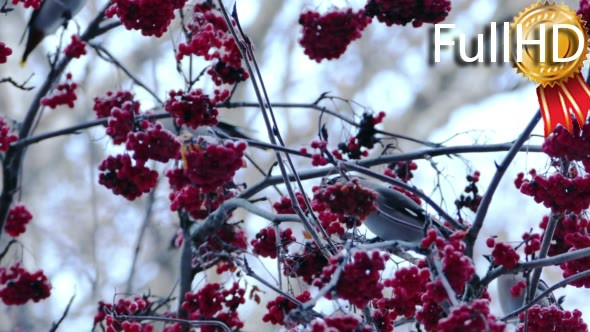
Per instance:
{"type": "Point", "coordinates": [489, 194]}
{"type": "Point", "coordinates": [14, 156]}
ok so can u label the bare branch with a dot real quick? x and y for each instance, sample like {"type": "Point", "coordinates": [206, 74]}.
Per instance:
{"type": "Point", "coordinates": [56, 325]}
{"type": "Point", "coordinates": [22, 86]}
{"type": "Point", "coordinates": [489, 194]}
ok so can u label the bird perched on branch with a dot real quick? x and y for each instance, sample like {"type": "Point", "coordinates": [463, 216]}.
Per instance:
{"type": "Point", "coordinates": [47, 19]}
{"type": "Point", "coordinates": [397, 217]}
{"type": "Point", "coordinates": [509, 303]}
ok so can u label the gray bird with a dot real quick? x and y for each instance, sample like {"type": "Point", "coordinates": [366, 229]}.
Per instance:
{"type": "Point", "coordinates": [397, 217]}
{"type": "Point", "coordinates": [47, 19]}
{"type": "Point", "coordinates": [509, 303]}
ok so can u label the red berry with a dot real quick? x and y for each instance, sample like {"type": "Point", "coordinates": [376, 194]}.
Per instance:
{"type": "Point", "coordinates": [35, 4]}
{"type": "Point", "coordinates": [77, 48]}
{"type": "Point", "coordinates": [327, 36]}
{"type": "Point", "coordinates": [405, 11]}
{"type": "Point", "coordinates": [152, 17]}
{"type": "Point", "coordinates": [125, 179]}
{"type": "Point", "coordinates": [62, 95]}
{"type": "Point", "coordinates": [17, 220]}
{"type": "Point", "coordinates": [6, 136]}
{"type": "Point", "coordinates": [17, 286]}
{"type": "Point", "coordinates": [5, 51]}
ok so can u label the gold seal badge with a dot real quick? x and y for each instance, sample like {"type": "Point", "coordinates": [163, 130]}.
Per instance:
{"type": "Point", "coordinates": [548, 72]}
{"type": "Point", "coordinates": [549, 44]}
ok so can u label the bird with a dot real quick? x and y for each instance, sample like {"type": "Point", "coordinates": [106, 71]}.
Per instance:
{"type": "Point", "coordinates": [509, 303]}
{"type": "Point", "coordinates": [397, 216]}
{"type": "Point", "coordinates": [47, 19]}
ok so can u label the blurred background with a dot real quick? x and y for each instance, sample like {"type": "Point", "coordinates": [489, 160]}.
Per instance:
{"type": "Point", "coordinates": [85, 238]}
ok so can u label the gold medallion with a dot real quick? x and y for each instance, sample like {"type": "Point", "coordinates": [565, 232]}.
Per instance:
{"type": "Point", "coordinates": [549, 72]}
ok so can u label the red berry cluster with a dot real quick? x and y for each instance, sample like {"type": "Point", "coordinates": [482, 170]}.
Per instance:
{"type": "Point", "coordinates": [122, 121]}
{"type": "Point", "coordinates": [134, 306]}
{"type": "Point", "coordinates": [572, 146]}
{"type": "Point", "coordinates": [340, 323]}
{"type": "Point", "coordinates": [552, 319]}
{"type": "Point", "coordinates": [327, 36]}
{"type": "Point", "coordinates": [194, 109]}
{"type": "Point", "coordinates": [6, 137]}
{"type": "Point", "coordinates": [64, 94]}
{"type": "Point", "coordinates": [125, 179]}
{"type": "Point", "coordinates": [208, 165]}
{"type": "Point", "coordinates": [405, 11]}
{"type": "Point", "coordinates": [472, 198]}
{"type": "Point", "coordinates": [5, 51]}
{"type": "Point", "coordinates": [35, 4]}
{"type": "Point", "coordinates": [518, 289]}
{"type": "Point", "coordinates": [457, 268]}
{"type": "Point", "coordinates": [532, 243]}
{"type": "Point", "coordinates": [430, 314]}
{"type": "Point", "coordinates": [569, 224]}
{"type": "Point", "coordinates": [408, 286]}
{"type": "Point", "coordinates": [364, 272]}
{"type": "Point", "coordinates": [348, 198]}
{"type": "Point", "coordinates": [557, 192]}
{"type": "Point", "coordinates": [222, 73]}
{"type": "Point", "coordinates": [358, 146]}
{"type": "Point", "coordinates": [17, 286]}
{"type": "Point", "coordinates": [284, 206]}
{"type": "Point", "coordinates": [215, 302]}
{"type": "Point", "coordinates": [473, 316]}
{"type": "Point", "coordinates": [317, 159]}
{"type": "Point", "coordinates": [154, 143]}
{"type": "Point", "coordinates": [505, 255]}
{"type": "Point", "coordinates": [577, 241]}
{"type": "Point", "coordinates": [230, 238]}
{"type": "Point", "coordinates": [306, 265]}
{"type": "Point", "coordinates": [152, 17]}
{"type": "Point", "coordinates": [403, 170]}
{"type": "Point", "coordinates": [265, 243]}
{"type": "Point", "coordinates": [212, 40]}
{"type": "Point", "coordinates": [194, 201]}
{"type": "Point", "coordinates": [17, 220]}
{"type": "Point", "coordinates": [337, 224]}
{"type": "Point", "coordinates": [279, 309]}
{"type": "Point", "coordinates": [103, 106]}
{"type": "Point", "coordinates": [77, 48]}
{"type": "Point", "coordinates": [352, 149]}
{"type": "Point", "coordinates": [343, 204]}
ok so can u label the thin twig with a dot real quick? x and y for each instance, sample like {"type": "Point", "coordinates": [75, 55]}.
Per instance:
{"type": "Point", "coordinates": [272, 128]}
{"type": "Point", "coordinates": [107, 56]}
{"type": "Point", "coordinates": [17, 85]}
{"type": "Point", "coordinates": [5, 251]}
{"type": "Point", "coordinates": [55, 325]}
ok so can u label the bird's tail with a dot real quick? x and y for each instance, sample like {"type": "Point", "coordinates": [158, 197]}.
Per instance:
{"type": "Point", "coordinates": [35, 37]}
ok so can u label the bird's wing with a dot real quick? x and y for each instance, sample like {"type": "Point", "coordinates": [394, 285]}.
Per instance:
{"type": "Point", "coordinates": [391, 215]}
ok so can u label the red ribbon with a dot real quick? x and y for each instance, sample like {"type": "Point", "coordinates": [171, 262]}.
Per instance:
{"type": "Point", "coordinates": [558, 100]}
